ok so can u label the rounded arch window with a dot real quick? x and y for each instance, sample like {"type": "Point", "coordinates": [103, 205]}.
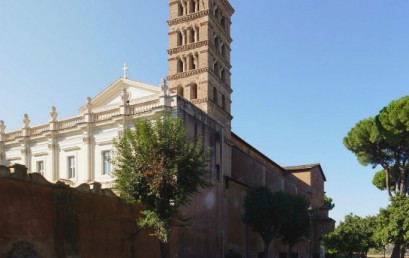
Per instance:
{"type": "Point", "coordinates": [193, 91]}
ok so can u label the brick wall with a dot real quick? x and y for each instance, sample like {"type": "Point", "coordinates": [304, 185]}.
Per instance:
{"type": "Point", "coordinates": [59, 221]}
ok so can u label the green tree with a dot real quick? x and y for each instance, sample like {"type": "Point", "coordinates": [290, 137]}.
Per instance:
{"type": "Point", "coordinates": [296, 223]}
{"type": "Point", "coordinates": [353, 236]}
{"type": "Point", "coordinates": [384, 141]}
{"type": "Point", "coordinates": [265, 213]}
{"type": "Point", "coordinates": [159, 166]}
{"type": "Point", "coordinates": [328, 202]}
{"type": "Point", "coordinates": [393, 225]}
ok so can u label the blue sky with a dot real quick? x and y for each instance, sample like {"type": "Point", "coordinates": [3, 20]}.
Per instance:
{"type": "Point", "coordinates": [304, 72]}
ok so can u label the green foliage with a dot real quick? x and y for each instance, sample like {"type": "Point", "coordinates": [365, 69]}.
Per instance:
{"type": "Point", "coordinates": [393, 222]}
{"type": "Point", "coordinates": [328, 202]}
{"type": "Point", "coordinates": [353, 236]}
{"type": "Point", "coordinates": [379, 180]}
{"type": "Point", "coordinates": [159, 166]}
{"type": "Point", "coordinates": [297, 221]}
{"type": "Point", "coordinates": [274, 215]}
{"type": "Point", "coordinates": [384, 141]}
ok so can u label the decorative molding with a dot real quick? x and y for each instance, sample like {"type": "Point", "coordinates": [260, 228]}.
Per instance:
{"type": "Point", "coordinates": [220, 28]}
{"type": "Point", "coordinates": [14, 158]}
{"type": "Point", "coordinates": [188, 17]}
{"type": "Point", "coordinates": [187, 74]}
{"type": "Point", "coordinates": [72, 148]}
{"type": "Point", "coordinates": [40, 154]}
{"type": "Point", "coordinates": [105, 142]}
{"type": "Point", "coordinates": [188, 47]}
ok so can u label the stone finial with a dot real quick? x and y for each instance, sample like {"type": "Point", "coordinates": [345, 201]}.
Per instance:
{"type": "Point", "coordinates": [53, 114]}
{"type": "Point", "coordinates": [125, 96]}
{"type": "Point", "coordinates": [26, 121]}
{"type": "Point", "coordinates": [88, 104]}
{"type": "Point", "coordinates": [2, 127]}
{"type": "Point", "coordinates": [164, 86]}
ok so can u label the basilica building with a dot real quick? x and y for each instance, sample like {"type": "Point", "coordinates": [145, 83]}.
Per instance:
{"type": "Point", "coordinates": [198, 89]}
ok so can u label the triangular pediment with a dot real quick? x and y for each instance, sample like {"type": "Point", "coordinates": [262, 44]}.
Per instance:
{"type": "Point", "coordinates": [111, 96]}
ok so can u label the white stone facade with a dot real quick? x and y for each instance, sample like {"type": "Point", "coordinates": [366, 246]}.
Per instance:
{"type": "Point", "coordinates": [75, 148]}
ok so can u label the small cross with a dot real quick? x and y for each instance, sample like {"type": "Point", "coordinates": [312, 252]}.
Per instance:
{"type": "Point", "coordinates": [125, 69]}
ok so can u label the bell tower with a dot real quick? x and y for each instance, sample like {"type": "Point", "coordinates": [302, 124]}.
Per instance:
{"type": "Point", "coordinates": [199, 55]}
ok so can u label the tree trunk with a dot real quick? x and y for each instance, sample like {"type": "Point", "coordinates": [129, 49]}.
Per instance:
{"type": "Point", "coordinates": [290, 249]}
{"type": "Point", "coordinates": [266, 248]}
{"type": "Point", "coordinates": [164, 250]}
{"type": "Point", "coordinates": [396, 251]}
{"type": "Point", "coordinates": [402, 251]}
{"type": "Point", "coordinates": [387, 181]}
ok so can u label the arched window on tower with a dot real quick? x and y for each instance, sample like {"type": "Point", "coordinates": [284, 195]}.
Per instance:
{"type": "Point", "coordinates": [181, 10]}
{"type": "Point", "coordinates": [193, 91]}
{"type": "Point", "coordinates": [179, 38]}
{"type": "Point", "coordinates": [192, 62]}
{"type": "Point", "coordinates": [191, 5]}
{"type": "Point", "coordinates": [191, 34]}
{"type": "Point", "coordinates": [223, 75]}
{"type": "Point", "coordinates": [223, 22]}
{"type": "Point", "coordinates": [196, 36]}
{"type": "Point", "coordinates": [216, 69]}
{"type": "Point", "coordinates": [223, 102]}
{"type": "Point", "coordinates": [215, 95]}
{"type": "Point", "coordinates": [180, 91]}
{"type": "Point", "coordinates": [223, 50]}
{"type": "Point", "coordinates": [180, 66]}
{"type": "Point", "coordinates": [216, 42]}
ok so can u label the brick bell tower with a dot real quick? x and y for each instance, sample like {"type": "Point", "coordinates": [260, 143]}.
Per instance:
{"type": "Point", "coordinates": [199, 56]}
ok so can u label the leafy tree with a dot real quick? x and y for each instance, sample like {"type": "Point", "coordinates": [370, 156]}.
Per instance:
{"type": "Point", "coordinates": [296, 223]}
{"type": "Point", "coordinates": [353, 236]}
{"type": "Point", "coordinates": [328, 202]}
{"type": "Point", "coordinates": [265, 212]}
{"type": "Point", "coordinates": [393, 225]}
{"type": "Point", "coordinates": [159, 166]}
{"type": "Point", "coordinates": [384, 141]}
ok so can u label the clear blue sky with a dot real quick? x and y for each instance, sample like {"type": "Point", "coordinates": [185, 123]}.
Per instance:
{"type": "Point", "coordinates": [304, 72]}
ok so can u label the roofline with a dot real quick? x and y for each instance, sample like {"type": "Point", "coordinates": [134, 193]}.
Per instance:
{"type": "Point", "coordinates": [257, 151]}
{"type": "Point", "coordinates": [302, 168]}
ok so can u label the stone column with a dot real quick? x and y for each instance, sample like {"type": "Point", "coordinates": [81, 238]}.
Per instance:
{"type": "Point", "coordinates": [25, 148]}
{"type": "Point", "coordinates": [52, 170]}
{"type": "Point", "coordinates": [88, 139]}
{"type": "Point", "coordinates": [2, 141]}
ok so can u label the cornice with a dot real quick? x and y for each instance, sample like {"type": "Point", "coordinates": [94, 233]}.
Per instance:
{"type": "Point", "coordinates": [220, 56]}
{"type": "Point", "coordinates": [187, 74]}
{"type": "Point", "coordinates": [188, 47]}
{"type": "Point", "coordinates": [209, 101]}
{"type": "Point", "coordinates": [221, 29]}
{"type": "Point", "coordinates": [228, 7]}
{"type": "Point", "coordinates": [189, 17]}
{"type": "Point", "coordinates": [227, 87]}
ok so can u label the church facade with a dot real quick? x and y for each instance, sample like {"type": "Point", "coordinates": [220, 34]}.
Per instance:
{"type": "Point", "coordinates": [197, 89]}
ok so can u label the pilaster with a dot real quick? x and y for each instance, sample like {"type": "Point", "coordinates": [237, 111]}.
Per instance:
{"type": "Point", "coordinates": [2, 140]}
{"type": "Point", "coordinates": [88, 140]}
{"type": "Point", "coordinates": [52, 170]}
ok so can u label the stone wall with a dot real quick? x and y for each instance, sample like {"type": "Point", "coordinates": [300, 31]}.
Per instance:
{"type": "Point", "coordinates": [55, 220]}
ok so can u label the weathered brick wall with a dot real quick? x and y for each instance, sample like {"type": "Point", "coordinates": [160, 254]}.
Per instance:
{"type": "Point", "coordinates": [59, 221]}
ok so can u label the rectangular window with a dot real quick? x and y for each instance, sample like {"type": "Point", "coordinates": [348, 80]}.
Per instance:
{"type": "Point", "coordinates": [106, 163]}
{"type": "Point", "coordinates": [40, 167]}
{"type": "Point", "coordinates": [71, 167]}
